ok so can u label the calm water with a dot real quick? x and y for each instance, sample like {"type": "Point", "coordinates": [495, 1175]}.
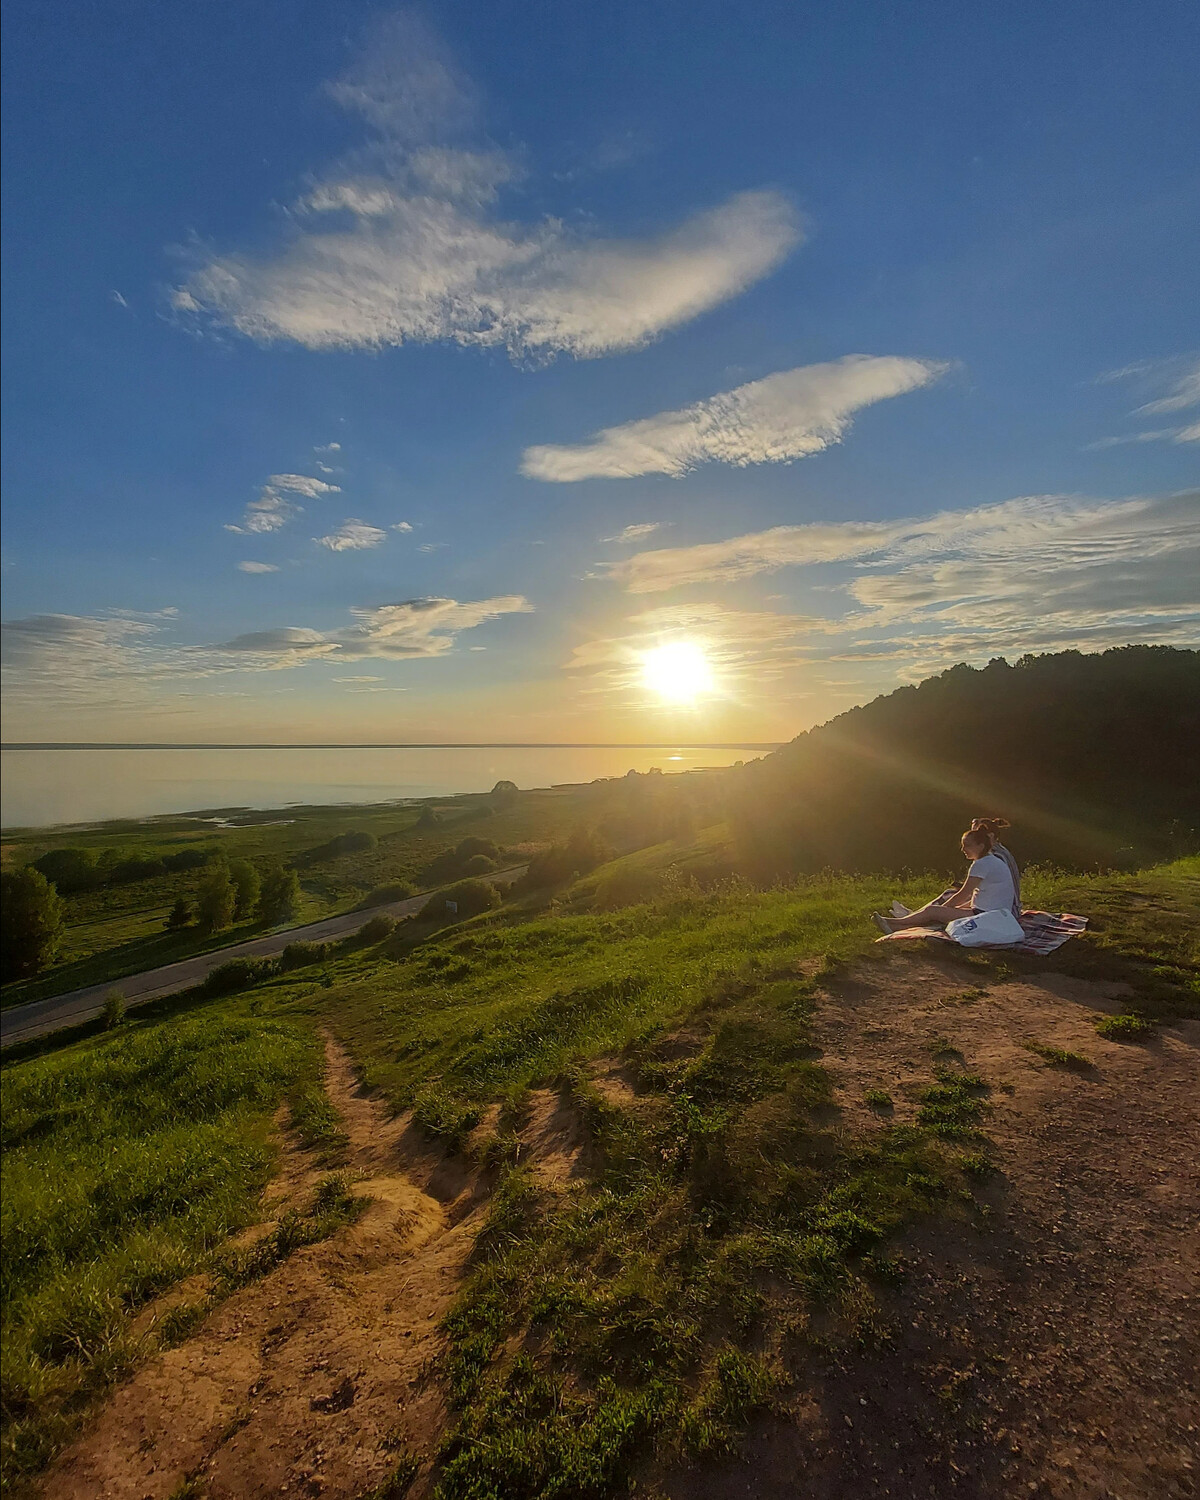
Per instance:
{"type": "Point", "coordinates": [42, 787]}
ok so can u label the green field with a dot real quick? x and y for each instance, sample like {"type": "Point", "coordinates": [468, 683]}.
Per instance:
{"type": "Point", "coordinates": [722, 1206]}
{"type": "Point", "coordinates": [120, 929]}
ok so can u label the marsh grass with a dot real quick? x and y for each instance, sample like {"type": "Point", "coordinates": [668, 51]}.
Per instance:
{"type": "Point", "coordinates": [125, 1163]}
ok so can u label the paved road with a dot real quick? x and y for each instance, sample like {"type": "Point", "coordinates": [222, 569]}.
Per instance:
{"type": "Point", "coordinates": [22, 1022]}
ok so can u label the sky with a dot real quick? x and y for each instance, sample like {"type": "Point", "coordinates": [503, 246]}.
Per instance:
{"type": "Point", "coordinates": [544, 372]}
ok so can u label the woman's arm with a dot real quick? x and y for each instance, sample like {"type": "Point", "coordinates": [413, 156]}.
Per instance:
{"type": "Point", "coordinates": [962, 896]}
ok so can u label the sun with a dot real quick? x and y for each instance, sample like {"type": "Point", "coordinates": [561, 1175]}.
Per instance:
{"type": "Point", "coordinates": [678, 673]}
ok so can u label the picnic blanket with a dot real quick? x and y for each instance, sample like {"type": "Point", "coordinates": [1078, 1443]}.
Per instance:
{"type": "Point", "coordinates": [1044, 932]}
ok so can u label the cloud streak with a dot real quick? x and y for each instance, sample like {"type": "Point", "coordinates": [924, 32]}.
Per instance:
{"type": "Point", "coordinates": [275, 505]}
{"type": "Point", "coordinates": [405, 243]}
{"type": "Point", "coordinates": [775, 420]}
{"type": "Point", "coordinates": [352, 536]}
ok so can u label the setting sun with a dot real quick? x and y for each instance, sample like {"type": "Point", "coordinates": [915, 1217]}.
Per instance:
{"type": "Point", "coordinates": [678, 673]}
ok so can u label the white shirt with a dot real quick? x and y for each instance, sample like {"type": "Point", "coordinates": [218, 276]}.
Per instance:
{"type": "Point", "coordinates": [995, 891]}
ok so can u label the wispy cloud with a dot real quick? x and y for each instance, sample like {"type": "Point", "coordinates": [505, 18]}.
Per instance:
{"type": "Point", "coordinates": [636, 532]}
{"type": "Point", "coordinates": [775, 420]}
{"type": "Point", "coordinates": [1179, 381]}
{"type": "Point", "coordinates": [405, 243]}
{"type": "Point", "coordinates": [112, 660]}
{"type": "Point", "coordinates": [402, 526]}
{"type": "Point", "coordinates": [1055, 531]}
{"type": "Point", "coordinates": [412, 628]}
{"type": "Point", "coordinates": [257, 567]}
{"type": "Point", "coordinates": [275, 505]}
{"type": "Point", "coordinates": [352, 536]}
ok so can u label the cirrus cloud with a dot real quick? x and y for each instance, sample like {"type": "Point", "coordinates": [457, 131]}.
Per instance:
{"type": "Point", "coordinates": [404, 244]}
{"type": "Point", "coordinates": [783, 417]}
{"type": "Point", "coordinates": [352, 536]}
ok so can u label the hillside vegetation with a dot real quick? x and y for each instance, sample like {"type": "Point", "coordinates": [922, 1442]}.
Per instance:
{"type": "Point", "coordinates": [1094, 759]}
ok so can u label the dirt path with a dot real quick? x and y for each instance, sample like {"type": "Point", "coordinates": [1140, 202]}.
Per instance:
{"type": "Point", "coordinates": [1052, 1347]}
{"type": "Point", "coordinates": [309, 1381]}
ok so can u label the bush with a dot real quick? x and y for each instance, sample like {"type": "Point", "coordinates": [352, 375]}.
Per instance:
{"type": "Point", "coordinates": [1127, 1028]}
{"type": "Point", "coordinates": [69, 870]}
{"type": "Point", "coordinates": [31, 922]}
{"type": "Point", "coordinates": [246, 887]}
{"type": "Point", "coordinates": [299, 954]}
{"type": "Point", "coordinates": [383, 895]}
{"type": "Point", "coordinates": [216, 900]}
{"type": "Point", "coordinates": [468, 898]}
{"type": "Point", "coordinates": [473, 845]}
{"type": "Point", "coordinates": [582, 852]}
{"type": "Point", "coordinates": [136, 867]}
{"type": "Point", "coordinates": [280, 894]}
{"type": "Point", "coordinates": [114, 1010]}
{"type": "Point", "coordinates": [238, 974]}
{"type": "Point", "coordinates": [376, 929]}
{"type": "Point", "coordinates": [181, 915]}
{"type": "Point", "coordinates": [187, 859]}
{"type": "Point", "coordinates": [479, 864]}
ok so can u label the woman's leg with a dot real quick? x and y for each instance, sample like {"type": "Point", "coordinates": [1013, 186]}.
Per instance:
{"type": "Point", "coordinates": [932, 914]}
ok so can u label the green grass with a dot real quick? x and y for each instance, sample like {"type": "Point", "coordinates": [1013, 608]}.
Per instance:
{"type": "Point", "coordinates": [1060, 1057]}
{"type": "Point", "coordinates": [126, 1162]}
{"type": "Point", "coordinates": [641, 1316]}
{"type": "Point", "coordinates": [1127, 1028]}
{"type": "Point", "coordinates": [118, 930]}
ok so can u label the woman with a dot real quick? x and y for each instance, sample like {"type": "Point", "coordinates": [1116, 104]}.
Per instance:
{"type": "Point", "coordinates": [992, 883]}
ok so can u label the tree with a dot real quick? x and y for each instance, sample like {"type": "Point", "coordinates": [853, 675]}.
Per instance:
{"type": "Point", "coordinates": [246, 887]}
{"type": "Point", "coordinates": [69, 869]}
{"type": "Point", "coordinates": [280, 895]}
{"type": "Point", "coordinates": [216, 900]}
{"type": "Point", "coordinates": [181, 915]}
{"type": "Point", "coordinates": [31, 922]}
{"type": "Point", "coordinates": [114, 1009]}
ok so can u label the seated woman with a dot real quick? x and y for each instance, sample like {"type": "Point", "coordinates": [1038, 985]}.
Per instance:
{"type": "Point", "coordinates": [991, 883]}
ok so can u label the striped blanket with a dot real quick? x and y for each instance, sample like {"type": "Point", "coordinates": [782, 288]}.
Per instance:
{"type": "Point", "coordinates": [1044, 932]}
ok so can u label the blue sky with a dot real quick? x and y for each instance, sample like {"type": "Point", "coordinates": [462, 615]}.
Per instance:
{"type": "Point", "coordinates": [412, 375]}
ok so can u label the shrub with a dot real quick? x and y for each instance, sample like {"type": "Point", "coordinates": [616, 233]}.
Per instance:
{"type": "Point", "coordinates": [187, 859]}
{"type": "Point", "coordinates": [181, 915]}
{"type": "Point", "coordinates": [238, 974]}
{"type": "Point", "coordinates": [1127, 1028]}
{"type": "Point", "coordinates": [299, 954]}
{"type": "Point", "coordinates": [468, 897]}
{"type": "Point", "coordinates": [376, 929]}
{"type": "Point", "coordinates": [69, 870]}
{"type": "Point", "coordinates": [136, 867]}
{"type": "Point", "coordinates": [280, 895]}
{"type": "Point", "coordinates": [216, 900]}
{"type": "Point", "coordinates": [31, 922]}
{"type": "Point", "coordinates": [114, 1009]}
{"type": "Point", "coordinates": [473, 845]}
{"type": "Point", "coordinates": [383, 895]}
{"type": "Point", "coordinates": [478, 864]}
{"type": "Point", "coordinates": [246, 887]}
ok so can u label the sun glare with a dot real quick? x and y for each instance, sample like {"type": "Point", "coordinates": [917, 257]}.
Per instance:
{"type": "Point", "coordinates": [678, 673]}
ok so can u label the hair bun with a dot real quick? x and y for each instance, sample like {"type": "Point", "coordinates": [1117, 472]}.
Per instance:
{"type": "Point", "coordinates": [989, 825]}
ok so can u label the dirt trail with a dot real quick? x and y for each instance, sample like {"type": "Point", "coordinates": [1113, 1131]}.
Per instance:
{"type": "Point", "coordinates": [1052, 1349]}
{"type": "Point", "coordinates": [309, 1381]}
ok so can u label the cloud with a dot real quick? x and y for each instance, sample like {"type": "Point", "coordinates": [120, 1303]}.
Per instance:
{"type": "Point", "coordinates": [404, 243]}
{"type": "Point", "coordinates": [327, 448]}
{"type": "Point", "coordinates": [352, 536]}
{"type": "Point", "coordinates": [402, 526]}
{"type": "Point", "coordinates": [1065, 530]}
{"type": "Point", "coordinates": [412, 628]}
{"type": "Point", "coordinates": [635, 532]}
{"type": "Point", "coordinates": [1179, 379]}
{"type": "Point", "coordinates": [274, 507]}
{"type": "Point", "coordinates": [257, 567]}
{"type": "Point", "coordinates": [785, 416]}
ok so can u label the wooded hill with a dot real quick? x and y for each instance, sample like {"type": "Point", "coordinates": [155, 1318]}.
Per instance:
{"type": "Point", "coordinates": [1094, 759]}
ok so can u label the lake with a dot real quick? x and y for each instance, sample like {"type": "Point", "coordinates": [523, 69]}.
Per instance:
{"type": "Point", "coordinates": [41, 787]}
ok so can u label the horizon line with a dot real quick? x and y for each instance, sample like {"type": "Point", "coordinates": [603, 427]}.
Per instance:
{"type": "Point", "coordinates": [398, 745]}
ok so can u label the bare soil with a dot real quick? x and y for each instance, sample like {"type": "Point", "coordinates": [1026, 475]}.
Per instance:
{"type": "Point", "coordinates": [1045, 1342]}
{"type": "Point", "coordinates": [1049, 1343]}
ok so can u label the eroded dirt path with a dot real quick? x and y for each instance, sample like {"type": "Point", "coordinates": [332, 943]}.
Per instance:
{"type": "Point", "coordinates": [307, 1382]}
{"type": "Point", "coordinates": [1052, 1349]}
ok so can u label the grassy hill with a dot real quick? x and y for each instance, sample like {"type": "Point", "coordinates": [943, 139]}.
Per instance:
{"type": "Point", "coordinates": [640, 1317]}
{"type": "Point", "coordinates": [1095, 760]}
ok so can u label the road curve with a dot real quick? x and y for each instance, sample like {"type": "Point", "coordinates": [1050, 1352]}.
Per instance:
{"type": "Point", "coordinates": [21, 1023]}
